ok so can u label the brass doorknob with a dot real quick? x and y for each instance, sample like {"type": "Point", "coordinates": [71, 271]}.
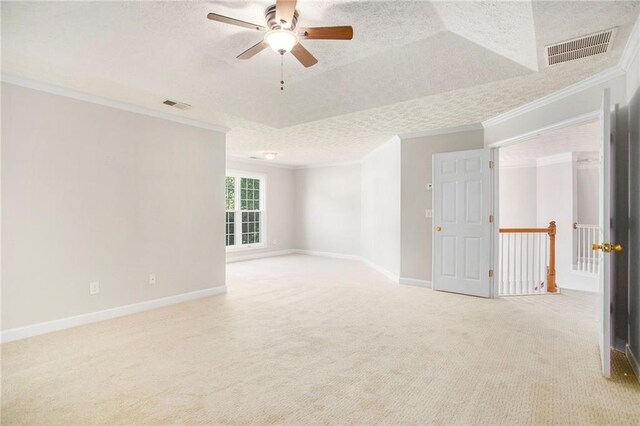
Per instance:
{"type": "Point", "coordinates": [607, 247]}
{"type": "Point", "coordinates": [438, 228]}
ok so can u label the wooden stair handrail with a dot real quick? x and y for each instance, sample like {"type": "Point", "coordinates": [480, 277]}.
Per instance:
{"type": "Point", "coordinates": [551, 231]}
{"type": "Point", "coordinates": [523, 230]}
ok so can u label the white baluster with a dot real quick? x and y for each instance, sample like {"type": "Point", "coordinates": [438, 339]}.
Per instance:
{"type": "Point", "coordinates": [529, 280]}
{"type": "Point", "coordinates": [546, 260]}
{"type": "Point", "coordinates": [509, 262]}
{"type": "Point", "coordinates": [520, 267]}
{"type": "Point", "coordinates": [501, 285]}
{"type": "Point", "coordinates": [538, 280]}
{"type": "Point", "coordinates": [504, 263]}
{"type": "Point", "coordinates": [580, 242]}
{"type": "Point", "coordinates": [592, 256]}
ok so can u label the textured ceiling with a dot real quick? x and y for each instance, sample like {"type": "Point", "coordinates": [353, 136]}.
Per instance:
{"type": "Point", "coordinates": [412, 66]}
{"type": "Point", "coordinates": [583, 138]}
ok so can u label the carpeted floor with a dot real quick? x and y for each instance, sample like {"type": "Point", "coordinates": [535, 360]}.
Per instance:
{"type": "Point", "coordinates": [308, 340]}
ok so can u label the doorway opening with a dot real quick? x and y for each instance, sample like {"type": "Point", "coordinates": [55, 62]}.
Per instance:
{"type": "Point", "coordinates": [548, 211]}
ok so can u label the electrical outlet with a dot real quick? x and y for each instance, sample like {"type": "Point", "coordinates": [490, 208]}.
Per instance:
{"type": "Point", "coordinates": [152, 278]}
{"type": "Point", "coordinates": [94, 287]}
{"type": "Point", "coordinates": [428, 213]}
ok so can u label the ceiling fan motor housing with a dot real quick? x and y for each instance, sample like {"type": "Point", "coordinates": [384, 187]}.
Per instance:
{"type": "Point", "coordinates": [273, 24]}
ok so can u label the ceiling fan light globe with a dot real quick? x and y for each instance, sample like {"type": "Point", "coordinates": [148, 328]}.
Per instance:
{"type": "Point", "coordinates": [270, 155]}
{"type": "Point", "coordinates": [281, 40]}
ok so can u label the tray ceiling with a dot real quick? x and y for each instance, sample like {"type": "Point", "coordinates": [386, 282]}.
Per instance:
{"type": "Point", "coordinates": [412, 66]}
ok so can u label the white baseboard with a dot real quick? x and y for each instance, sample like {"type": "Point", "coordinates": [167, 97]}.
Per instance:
{"type": "Point", "coordinates": [64, 323]}
{"type": "Point", "coordinates": [259, 255]}
{"type": "Point", "coordinates": [329, 254]}
{"type": "Point", "coordinates": [633, 361]}
{"type": "Point", "coordinates": [393, 277]}
{"type": "Point", "coordinates": [416, 283]}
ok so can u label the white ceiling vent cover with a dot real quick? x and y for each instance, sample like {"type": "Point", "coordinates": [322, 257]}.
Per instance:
{"type": "Point", "coordinates": [589, 45]}
{"type": "Point", "coordinates": [175, 104]}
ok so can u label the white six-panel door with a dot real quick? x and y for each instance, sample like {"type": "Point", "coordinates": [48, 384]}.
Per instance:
{"type": "Point", "coordinates": [461, 228]}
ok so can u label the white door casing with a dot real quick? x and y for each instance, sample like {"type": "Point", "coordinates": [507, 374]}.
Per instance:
{"type": "Point", "coordinates": [462, 240]}
{"type": "Point", "coordinates": [605, 235]}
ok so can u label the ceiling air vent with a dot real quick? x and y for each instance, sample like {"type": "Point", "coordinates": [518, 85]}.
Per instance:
{"type": "Point", "coordinates": [592, 44]}
{"type": "Point", "coordinates": [179, 105]}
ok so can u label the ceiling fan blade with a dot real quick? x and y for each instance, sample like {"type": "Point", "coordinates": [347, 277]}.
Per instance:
{"type": "Point", "coordinates": [237, 22]}
{"type": "Point", "coordinates": [326, 33]}
{"type": "Point", "coordinates": [253, 50]}
{"type": "Point", "coordinates": [303, 55]}
{"type": "Point", "coordinates": [285, 10]}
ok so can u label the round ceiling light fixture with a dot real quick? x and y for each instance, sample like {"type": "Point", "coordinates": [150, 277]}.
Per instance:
{"type": "Point", "coordinates": [270, 155]}
{"type": "Point", "coordinates": [281, 41]}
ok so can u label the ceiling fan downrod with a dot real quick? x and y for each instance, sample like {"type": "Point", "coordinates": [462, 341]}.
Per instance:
{"type": "Point", "coordinates": [282, 71]}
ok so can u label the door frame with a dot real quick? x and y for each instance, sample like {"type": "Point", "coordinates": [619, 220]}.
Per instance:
{"type": "Point", "coordinates": [514, 140]}
{"type": "Point", "coordinates": [495, 226]}
{"type": "Point", "coordinates": [493, 212]}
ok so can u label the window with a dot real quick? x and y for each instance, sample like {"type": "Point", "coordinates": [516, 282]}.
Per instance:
{"type": "Point", "coordinates": [245, 210]}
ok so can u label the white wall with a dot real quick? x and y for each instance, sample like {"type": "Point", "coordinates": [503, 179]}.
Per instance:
{"type": "Point", "coordinates": [327, 209]}
{"type": "Point", "coordinates": [417, 229]}
{"type": "Point", "coordinates": [518, 196]}
{"type": "Point", "coordinates": [352, 209]}
{"type": "Point", "coordinates": [555, 203]}
{"type": "Point", "coordinates": [381, 207]}
{"type": "Point", "coordinates": [518, 192]}
{"type": "Point", "coordinates": [280, 207]}
{"type": "Point", "coordinates": [555, 185]}
{"type": "Point", "coordinates": [587, 184]}
{"type": "Point", "coordinates": [93, 193]}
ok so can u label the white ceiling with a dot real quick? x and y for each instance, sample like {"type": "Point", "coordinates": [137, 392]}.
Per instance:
{"type": "Point", "coordinates": [584, 138]}
{"type": "Point", "coordinates": [412, 66]}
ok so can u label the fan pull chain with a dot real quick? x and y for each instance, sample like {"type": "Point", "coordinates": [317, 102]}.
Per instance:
{"type": "Point", "coordinates": [281, 72]}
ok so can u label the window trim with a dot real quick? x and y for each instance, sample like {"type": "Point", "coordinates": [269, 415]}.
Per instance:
{"type": "Point", "coordinates": [238, 174]}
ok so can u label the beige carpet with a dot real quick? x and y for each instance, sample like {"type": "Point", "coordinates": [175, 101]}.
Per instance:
{"type": "Point", "coordinates": [307, 340]}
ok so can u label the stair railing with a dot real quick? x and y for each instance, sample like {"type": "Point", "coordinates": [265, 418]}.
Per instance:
{"type": "Point", "coordinates": [527, 260]}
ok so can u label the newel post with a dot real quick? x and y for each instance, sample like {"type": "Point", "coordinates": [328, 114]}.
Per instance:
{"type": "Point", "coordinates": [551, 271]}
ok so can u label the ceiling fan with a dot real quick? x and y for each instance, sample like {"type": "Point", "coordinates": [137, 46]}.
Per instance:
{"type": "Point", "coordinates": [282, 35]}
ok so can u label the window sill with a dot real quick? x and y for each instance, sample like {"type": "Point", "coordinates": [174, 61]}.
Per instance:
{"type": "Point", "coordinates": [246, 247]}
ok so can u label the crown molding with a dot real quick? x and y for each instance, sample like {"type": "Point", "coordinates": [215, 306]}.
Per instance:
{"type": "Point", "coordinates": [518, 164]}
{"type": "Point", "coordinates": [575, 121]}
{"type": "Point", "coordinates": [323, 165]}
{"type": "Point", "coordinates": [594, 80]}
{"type": "Point", "coordinates": [565, 157]}
{"type": "Point", "coordinates": [587, 166]}
{"type": "Point", "coordinates": [73, 94]}
{"type": "Point", "coordinates": [447, 130]}
{"type": "Point", "coordinates": [265, 163]}
{"type": "Point", "coordinates": [632, 47]}
{"type": "Point", "coordinates": [395, 138]}
{"type": "Point", "coordinates": [259, 162]}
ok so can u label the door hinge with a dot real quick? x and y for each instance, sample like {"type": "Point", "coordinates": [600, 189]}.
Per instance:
{"type": "Point", "coordinates": [490, 218]}
{"type": "Point", "coordinates": [490, 164]}
{"type": "Point", "coordinates": [490, 273]}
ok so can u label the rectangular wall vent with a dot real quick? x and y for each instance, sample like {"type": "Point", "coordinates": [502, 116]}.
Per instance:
{"type": "Point", "coordinates": [570, 50]}
{"type": "Point", "coordinates": [179, 105]}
